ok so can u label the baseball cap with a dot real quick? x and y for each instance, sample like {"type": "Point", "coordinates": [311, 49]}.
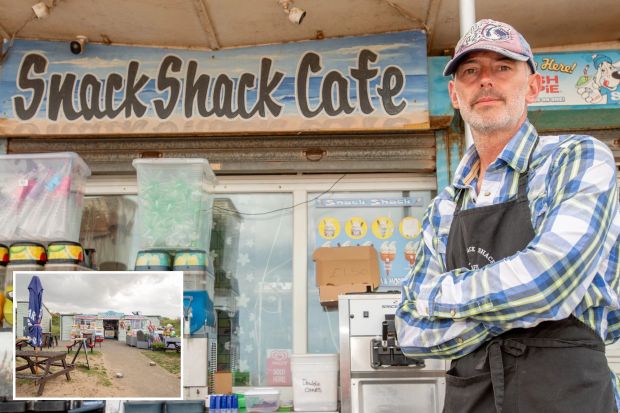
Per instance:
{"type": "Point", "coordinates": [496, 37]}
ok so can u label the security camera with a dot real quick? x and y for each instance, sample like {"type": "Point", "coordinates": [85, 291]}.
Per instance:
{"type": "Point", "coordinates": [78, 45]}
{"type": "Point", "coordinates": [41, 10]}
{"type": "Point", "coordinates": [296, 15]}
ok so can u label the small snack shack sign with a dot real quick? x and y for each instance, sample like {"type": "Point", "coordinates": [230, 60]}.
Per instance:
{"type": "Point", "coordinates": [358, 83]}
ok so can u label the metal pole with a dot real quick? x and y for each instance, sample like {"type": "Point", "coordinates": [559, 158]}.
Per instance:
{"type": "Point", "coordinates": [467, 18]}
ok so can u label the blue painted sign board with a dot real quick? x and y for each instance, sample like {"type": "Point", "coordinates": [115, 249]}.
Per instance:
{"type": "Point", "coordinates": [357, 83]}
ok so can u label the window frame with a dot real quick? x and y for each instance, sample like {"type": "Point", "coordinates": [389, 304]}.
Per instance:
{"type": "Point", "coordinates": [300, 186]}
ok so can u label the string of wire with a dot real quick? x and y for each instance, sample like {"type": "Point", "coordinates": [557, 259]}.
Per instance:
{"type": "Point", "coordinates": [284, 208]}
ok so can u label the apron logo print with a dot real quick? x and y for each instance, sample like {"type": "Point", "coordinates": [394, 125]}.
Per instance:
{"type": "Point", "coordinates": [481, 252]}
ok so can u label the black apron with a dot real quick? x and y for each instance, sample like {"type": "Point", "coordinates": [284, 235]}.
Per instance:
{"type": "Point", "coordinates": [556, 366]}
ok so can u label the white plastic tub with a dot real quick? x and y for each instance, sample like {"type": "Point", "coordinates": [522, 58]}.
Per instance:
{"type": "Point", "coordinates": [315, 382]}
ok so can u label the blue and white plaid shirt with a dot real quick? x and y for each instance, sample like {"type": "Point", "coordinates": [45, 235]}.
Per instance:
{"type": "Point", "coordinates": [570, 267]}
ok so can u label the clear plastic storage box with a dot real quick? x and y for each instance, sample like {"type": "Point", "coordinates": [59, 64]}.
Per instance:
{"type": "Point", "coordinates": [261, 400]}
{"type": "Point", "coordinates": [41, 196]}
{"type": "Point", "coordinates": [175, 198]}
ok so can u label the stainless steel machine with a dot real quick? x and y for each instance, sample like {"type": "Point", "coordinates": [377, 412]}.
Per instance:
{"type": "Point", "coordinates": [375, 377]}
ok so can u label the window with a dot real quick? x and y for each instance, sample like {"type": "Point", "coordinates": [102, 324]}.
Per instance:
{"type": "Point", "coordinates": [108, 227]}
{"type": "Point", "coordinates": [252, 253]}
{"type": "Point", "coordinates": [265, 299]}
{"type": "Point", "coordinates": [252, 250]}
{"type": "Point", "coordinates": [388, 221]}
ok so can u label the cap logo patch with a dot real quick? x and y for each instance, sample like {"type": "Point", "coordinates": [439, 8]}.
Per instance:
{"type": "Point", "coordinates": [485, 31]}
{"type": "Point", "coordinates": [495, 32]}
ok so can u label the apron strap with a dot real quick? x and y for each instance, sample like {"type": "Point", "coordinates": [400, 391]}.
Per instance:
{"type": "Point", "coordinates": [459, 200]}
{"type": "Point", "coordinates": [522, 191]}
{"type": "Point", "coordinates": [516, 347]}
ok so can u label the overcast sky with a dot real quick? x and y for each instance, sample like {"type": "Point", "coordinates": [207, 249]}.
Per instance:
{"type": "Point", "coordinates": [152, 293]}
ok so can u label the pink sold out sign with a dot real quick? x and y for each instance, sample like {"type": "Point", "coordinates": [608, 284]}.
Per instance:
{"type": "Point", "coordinates": [278, 367]}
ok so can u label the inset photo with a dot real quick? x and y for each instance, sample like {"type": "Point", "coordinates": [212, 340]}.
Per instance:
{"type": "Point", "coordinates": [98, 334]}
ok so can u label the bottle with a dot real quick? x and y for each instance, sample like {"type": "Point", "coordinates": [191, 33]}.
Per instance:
{"type": "Point", "coordinates": [234, 408]}
{"type": "Point", "coordinates": [219, 404]}
{"type": "Point", "coordinates": [225, 404]}
{"type": "Point", "coordinates": [214, 403]}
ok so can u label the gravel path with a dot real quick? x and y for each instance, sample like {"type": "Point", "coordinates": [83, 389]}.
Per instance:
{"type": "Point", "coordinates": [139, 378]}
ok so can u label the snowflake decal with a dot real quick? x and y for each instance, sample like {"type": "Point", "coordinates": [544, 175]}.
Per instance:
{"type": "Point", "coordinates": [243, 301]}
{"type": "Point", "coordinates": [243, 259]}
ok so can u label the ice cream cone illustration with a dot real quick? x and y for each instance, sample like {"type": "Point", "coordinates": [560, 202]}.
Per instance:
{"type": "Point", "coordinates": [387, 255]}
{"type": "Point", "coordinates": [410, 253]}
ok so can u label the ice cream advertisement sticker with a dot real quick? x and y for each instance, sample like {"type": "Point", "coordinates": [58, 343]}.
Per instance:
{"type": "Point", "coordinates": [383, 227]}
{"type": "Point", "coordinates": [356, 228]}
{"type": "Point", "coordinates": [329, 228]}
{"type": "Point", "coordinates": [409, 227]}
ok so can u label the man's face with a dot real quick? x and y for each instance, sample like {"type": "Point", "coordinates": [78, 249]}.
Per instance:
{"type": "Point", "coordinates": [492, 91]}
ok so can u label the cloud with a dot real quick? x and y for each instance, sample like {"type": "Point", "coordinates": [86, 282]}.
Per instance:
{"type": "Point", "coordinates": [93, 63]}
{"type": "Point", "coordinates": [35, 51]}
{"type": "Point", "coordinates": [157, 293]}
{"type": "Point", "coordinates": [377, 48]}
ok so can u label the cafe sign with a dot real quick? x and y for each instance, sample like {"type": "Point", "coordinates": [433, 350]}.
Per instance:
{"type": "Point", "coordinates": [357, 83]}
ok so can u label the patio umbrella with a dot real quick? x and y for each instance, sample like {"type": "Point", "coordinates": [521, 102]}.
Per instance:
{"type": "Point", "coordinates": [35, 311]}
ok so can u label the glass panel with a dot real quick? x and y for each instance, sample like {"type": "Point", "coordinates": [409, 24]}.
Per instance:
{"type": "Point", "coordinates": [108, 227]}
{"type": "Point", "coordinates": [253, 249]}
{"type": "Point", "coordinates": [389, 221]}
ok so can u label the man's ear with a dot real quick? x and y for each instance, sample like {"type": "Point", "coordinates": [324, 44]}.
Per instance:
{"type": "Point", "coordinates": [452, 93]}
{"type": "Point", "coordinates": [534, 86]}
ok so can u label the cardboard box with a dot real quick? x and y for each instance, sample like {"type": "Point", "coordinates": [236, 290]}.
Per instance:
{"type": "Point", "coordinates": [341, 270]}
{"type": "Point", "coordinates": [222, 383]}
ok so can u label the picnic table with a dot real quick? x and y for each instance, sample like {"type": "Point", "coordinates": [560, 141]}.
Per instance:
{"type": "Point", "coordinates": [81, 344]}
{"type": "Point", "coordinates": [49, 340]}
{"type": "Point", "coordinates": [42, 361]}
{"type": "Point", "coordinates": [173, 343]}
{"type": "Point", "coordinates": [21, 342]}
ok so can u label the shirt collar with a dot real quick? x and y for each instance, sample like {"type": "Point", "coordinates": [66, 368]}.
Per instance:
{"type": "Point", "coordinates": [515, 154]}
